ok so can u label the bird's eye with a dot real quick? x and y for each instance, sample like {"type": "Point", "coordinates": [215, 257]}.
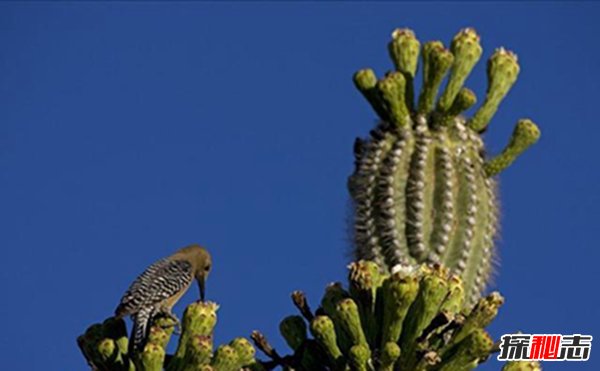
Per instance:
{"type": "Point", "coordinates": [207, 268]}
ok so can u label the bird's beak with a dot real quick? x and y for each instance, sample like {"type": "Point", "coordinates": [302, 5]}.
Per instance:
{"type": "Point", "coordinates": [202, 286]}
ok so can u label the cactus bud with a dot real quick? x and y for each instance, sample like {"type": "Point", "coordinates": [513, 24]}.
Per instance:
{"type": "Point", "coordinates": [502, 70]}
{"type": "Point", "coordinates": [525, 134]}
{"type": "Point", "coordinates": [153, 357]}
{"type": "Point", "coordinates": [398, 295]}
{"type": "Point", "coordinates": [466, 50]}
{"type": "Point", "coordinates": [365, 280]}
{"type": "Point", "coordinates": [359, 357]}
{"type": "Point", "coordinates": [391, 90]}
{"type": "Point", "coordinates": [199, 319]}
{"type": "Point", "coordinates": [522, 366]}
{"type": "Point", "coordinates": [389, 354]}
{"type": "Point", "coordinates": [199, 350]}
{"type": "Point", "coordinates": [225, 359]}
{"type": "Point", "coordinates": [432, 292]}
{"type": "Point", "coordinates": [366, 81]}
{"type": "Point", "coordinates": [322, 329]}
{"type": "Point", "coordinates": [404, 51]}
{"type": "Point", "coordinates": [464, 100]}
{"type": "Point", "coordinates": [244, 350]}
{"type": "Point", "coordinates": [293, 330]}
{"type": "Point", "coordinates": [436, 62]}
{"type": "Point", "coordinates": [347, 312]}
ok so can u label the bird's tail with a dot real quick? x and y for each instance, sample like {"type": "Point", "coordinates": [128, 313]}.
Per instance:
{"type": "Point", "coordinates": [139, 333]}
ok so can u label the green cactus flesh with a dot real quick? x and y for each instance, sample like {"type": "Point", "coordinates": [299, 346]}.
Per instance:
{"type": "Point", "coordinates": [423, 189]}
{"type": "Point", "coordinates": [408, 320]}
{"type": "Point", "coordinates": [105, 345]}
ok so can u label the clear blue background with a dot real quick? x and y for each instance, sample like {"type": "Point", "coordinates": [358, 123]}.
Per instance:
{"type": "Point", "coordinates": [128, 130]}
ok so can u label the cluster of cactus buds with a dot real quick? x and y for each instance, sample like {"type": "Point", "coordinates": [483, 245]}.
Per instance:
{"type": "Point", "coordinates": [412, 319]}
{"type": "Point", "coordinates": [423, 189]}
{"type": "Point", "coordinates": [105, 345]}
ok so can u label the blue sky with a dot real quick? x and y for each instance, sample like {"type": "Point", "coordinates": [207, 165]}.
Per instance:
{"type": "Point", "coordinates": [128, 130]}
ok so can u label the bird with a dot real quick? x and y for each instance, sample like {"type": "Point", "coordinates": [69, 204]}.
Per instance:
{"type": "Point", "coordinates": [159, 287]}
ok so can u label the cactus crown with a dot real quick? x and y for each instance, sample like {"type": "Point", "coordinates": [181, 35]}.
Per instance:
{"type": "Point", "coordinates": [423, 189]}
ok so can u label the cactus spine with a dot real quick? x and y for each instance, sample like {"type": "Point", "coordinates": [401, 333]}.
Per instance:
{"type": "Point", "coordinates": [423, 189]}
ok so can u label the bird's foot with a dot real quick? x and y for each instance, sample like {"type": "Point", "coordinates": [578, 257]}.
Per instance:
{"type": "Point", "coordinates": [174, 322]}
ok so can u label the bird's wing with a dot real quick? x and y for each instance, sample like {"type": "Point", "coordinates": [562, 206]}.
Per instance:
{"type": "Point", "coordinates": [160, 281]}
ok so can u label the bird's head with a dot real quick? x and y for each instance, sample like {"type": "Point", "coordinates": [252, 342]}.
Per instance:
{"type": "Point", "coordinates": [202, 263]}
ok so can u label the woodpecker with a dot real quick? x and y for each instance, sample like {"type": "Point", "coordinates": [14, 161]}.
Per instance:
{"type": "Point", "coordinates": [159, 287]}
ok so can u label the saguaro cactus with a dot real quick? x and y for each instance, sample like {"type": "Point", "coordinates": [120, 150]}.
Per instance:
{"type": "Point", "coordinates": [425, 217]}
{"type": "Point", "coordinates": [423, 188]}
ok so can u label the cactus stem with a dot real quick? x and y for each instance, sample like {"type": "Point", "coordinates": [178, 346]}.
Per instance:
{"type": "Point", "coordinates": [261, 342]}
{"type": "Point", "coordinates": [301, 303]}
